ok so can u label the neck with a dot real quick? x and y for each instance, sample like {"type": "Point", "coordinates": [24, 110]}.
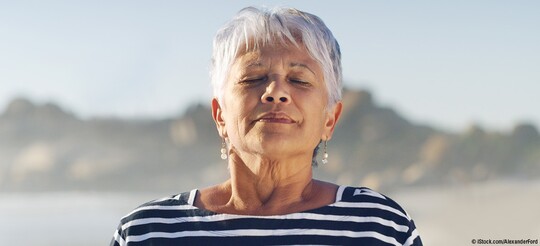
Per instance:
{"type": "Point", "coordinates": [262, 186]}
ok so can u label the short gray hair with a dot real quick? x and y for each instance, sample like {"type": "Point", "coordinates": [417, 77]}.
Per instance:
{"type": "Point", "coordinates": [259, 27]}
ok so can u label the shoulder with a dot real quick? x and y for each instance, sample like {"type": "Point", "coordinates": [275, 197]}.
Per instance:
{"type": "Point", "coordinates": [367, 196]}
{"type": "Point", "coordinates": [140, 220]}
{"type": "Point", "coordinates": [158, 208]}
{"type": "Point", "coordinates": [381, 210]}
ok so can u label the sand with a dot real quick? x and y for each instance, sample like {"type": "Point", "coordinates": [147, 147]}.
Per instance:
{"type": "Point", "coordinates": [457, 215]}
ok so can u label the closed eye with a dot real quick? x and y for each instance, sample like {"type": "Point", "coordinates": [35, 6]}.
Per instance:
{"type": "Point", "coordinates": [253, 80]}
{"type": "Point", "coordinates": [299, 82]}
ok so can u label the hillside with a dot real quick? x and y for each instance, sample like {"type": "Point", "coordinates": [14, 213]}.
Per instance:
{"type": "Point", "coordinates": [45, 147]}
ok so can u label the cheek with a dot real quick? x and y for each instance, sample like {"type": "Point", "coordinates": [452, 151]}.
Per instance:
{"type": "Point", "coordinates": [318, 117]}
{"type": "Point", "coordinates": [236, 115]}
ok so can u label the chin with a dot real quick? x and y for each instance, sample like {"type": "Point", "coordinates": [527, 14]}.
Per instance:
{"type": "Point", "coordinates": [282, 148]}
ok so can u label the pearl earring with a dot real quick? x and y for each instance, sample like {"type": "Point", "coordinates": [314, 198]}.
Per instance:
{"type": "Point", "coordinates": [325, 155]}
{"type": "Point", "coordinates": [223, 150]}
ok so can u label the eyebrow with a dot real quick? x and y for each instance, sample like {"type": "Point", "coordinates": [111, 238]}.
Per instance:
{"type": "Point", "coordinates": [258, 63]}
{"type": "Point", "coordinates": [254, 64]}
{"type": "Point", "coordinates": [292, 64]}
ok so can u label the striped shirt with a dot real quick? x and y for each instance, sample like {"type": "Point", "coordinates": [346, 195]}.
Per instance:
{"type": "Point", "coordinates": [359, 216]}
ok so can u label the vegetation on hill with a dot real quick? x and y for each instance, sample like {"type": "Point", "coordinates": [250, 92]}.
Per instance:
{"type": "Point", "coordinates": [43, 147]}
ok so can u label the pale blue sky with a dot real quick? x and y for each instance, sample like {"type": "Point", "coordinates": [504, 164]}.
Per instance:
{"type": "Point", "coordinates": [448, 63]}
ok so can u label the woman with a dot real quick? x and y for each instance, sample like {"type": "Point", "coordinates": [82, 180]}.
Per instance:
{"type": "Point", "coordinates": [277, 83]}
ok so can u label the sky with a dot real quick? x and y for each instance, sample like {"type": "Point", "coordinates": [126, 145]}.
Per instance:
{"type": "Point", "coordinates": [445, 63]}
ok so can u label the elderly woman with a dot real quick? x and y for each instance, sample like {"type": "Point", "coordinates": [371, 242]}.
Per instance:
{"type": "Point", "coordinates": [277, 84]}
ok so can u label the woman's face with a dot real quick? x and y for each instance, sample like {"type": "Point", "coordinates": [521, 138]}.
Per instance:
{"type": "Point", "coordinates": [274, 103]}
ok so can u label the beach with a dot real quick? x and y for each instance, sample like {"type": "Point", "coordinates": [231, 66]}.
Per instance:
{"type": "Point", "coordinates": [444, 216]}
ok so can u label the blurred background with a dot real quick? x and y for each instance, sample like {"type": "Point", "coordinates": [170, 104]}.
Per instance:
{"type": "Point", "coordinates": [104, 105]}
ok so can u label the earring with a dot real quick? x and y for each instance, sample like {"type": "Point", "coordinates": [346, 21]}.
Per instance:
{"type": "Point", "coordinates": [325, 155]}
{"type": "Point", "coordinates": [223, 150]}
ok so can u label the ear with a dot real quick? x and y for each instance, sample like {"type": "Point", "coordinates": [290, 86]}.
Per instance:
{"type": "Point", "coordinates": [217, 115]}
{"type": "Point", "coordinates": [332, 118]}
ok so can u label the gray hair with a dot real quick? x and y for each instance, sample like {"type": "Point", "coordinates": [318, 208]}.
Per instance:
{"type": "Point", "coordinates": [259, 27]}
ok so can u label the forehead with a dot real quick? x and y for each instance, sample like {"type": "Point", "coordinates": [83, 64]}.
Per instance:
{"type": "Point", "coordinates": [289, 53]}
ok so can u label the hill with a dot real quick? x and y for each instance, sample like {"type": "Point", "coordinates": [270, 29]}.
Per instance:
{"type": "Point", "coordinates": [45, 147]}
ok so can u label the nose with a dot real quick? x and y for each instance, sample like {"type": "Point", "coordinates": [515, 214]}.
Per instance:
{"type": "Point", "coordinates": [276, 92]}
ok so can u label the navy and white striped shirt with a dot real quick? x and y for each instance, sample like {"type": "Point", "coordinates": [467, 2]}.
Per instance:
{"type": "Point", "coordinates": [359, 216]}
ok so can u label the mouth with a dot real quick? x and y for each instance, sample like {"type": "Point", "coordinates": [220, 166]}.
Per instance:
{"type": "Point", "coordinates": [281, 118]}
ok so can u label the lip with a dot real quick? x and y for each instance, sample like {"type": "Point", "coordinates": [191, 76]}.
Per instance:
{"type": "Point", "coordinates": [276, 117]}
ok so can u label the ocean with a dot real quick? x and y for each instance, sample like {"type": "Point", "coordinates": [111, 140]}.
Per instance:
{"type": "Point", "coordinates": [443, 215]}
{"type": "Point", "coordinates": [63, 218]}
